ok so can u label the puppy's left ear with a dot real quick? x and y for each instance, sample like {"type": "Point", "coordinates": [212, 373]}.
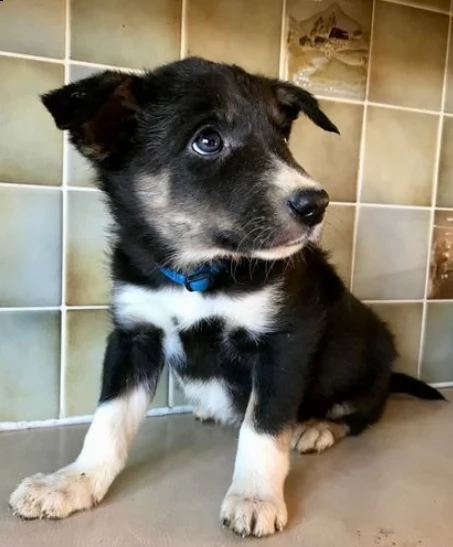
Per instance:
{"type": "Point", "coordinates": [293, 100]}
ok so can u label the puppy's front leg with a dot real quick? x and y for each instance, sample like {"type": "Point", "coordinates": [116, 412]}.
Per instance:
{"type": "Point", "coordinates": [132, 364]}
{"type": "Point", "coordinates": [255, 504]}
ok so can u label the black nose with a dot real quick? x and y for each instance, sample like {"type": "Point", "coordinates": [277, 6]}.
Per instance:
{"type": "Point", "coordinates": [309, 205]}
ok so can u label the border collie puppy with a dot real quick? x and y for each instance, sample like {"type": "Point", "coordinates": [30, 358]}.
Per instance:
{"type": "Point", "coordinates": [217, 274]}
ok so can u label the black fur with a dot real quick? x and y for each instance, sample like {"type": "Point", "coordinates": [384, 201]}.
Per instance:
{"type": "Point", "coordinates": [327, 348]}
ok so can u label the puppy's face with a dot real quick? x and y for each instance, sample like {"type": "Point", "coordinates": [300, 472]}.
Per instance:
{"type": "Point", "coordinates": [197, 153]}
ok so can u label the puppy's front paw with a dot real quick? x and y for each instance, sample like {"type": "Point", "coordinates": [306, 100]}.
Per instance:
{"type": "Point", "coordinates": [54, 496]}
{"type": "Point", "coordinates": [251, 515]}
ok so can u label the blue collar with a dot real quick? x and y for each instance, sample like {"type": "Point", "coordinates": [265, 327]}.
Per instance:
{"type": "Point", "coordinates": [200, 280]}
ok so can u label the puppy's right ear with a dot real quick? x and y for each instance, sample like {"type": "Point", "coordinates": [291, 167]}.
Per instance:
{"type": "Point", "coordinates": [99, 112]}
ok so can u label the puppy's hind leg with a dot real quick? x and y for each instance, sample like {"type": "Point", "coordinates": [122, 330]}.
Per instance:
{"type": "Point", "coordinates": [317, 435]}
{"type": "Point", "coordinates": [132, 364]}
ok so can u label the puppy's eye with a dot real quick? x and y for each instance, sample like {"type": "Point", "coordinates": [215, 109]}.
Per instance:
{"type": "Point", "coordinates": [207, 142]}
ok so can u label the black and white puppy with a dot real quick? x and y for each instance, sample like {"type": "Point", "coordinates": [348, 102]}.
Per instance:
{"type": "Point", "coordinates": [217, 274]}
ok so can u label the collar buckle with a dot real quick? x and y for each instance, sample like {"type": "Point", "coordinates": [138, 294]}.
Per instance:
{"type": "Point", "coordinates": [199, 282]}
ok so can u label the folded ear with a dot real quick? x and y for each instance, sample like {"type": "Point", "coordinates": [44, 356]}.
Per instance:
{"type": "Point", "coordinates": [293, 100]}
{"type": "Point", "coordinates": [99, 112]}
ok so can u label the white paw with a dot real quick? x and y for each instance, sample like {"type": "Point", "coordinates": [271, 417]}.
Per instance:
{"type": "Point", "coordinates": [316, 436]}
{"type": "Point", "coordinates": [202, 415]}
{"type": "Point", "coordinates": [57, 495]}
{"type": "Point", "coordinates": [253, 516]}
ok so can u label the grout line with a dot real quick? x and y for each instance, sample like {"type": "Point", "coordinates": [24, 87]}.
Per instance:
{"type": "Point", "coordinates": [362, 151]}
{"type": "Point", "coordinates": [408, 4]}
{"type": "Point", "coordinates": [28, 57]}
{"type": "Point", "coordinates": [411, 301]}
{"type": "Point", "coordinates": [183, 48]}
{"type": "Point", "coordinates": [63, 318]}
{"type": "Point", "coordinates": [101, 66]}
{"type": "Point", "coordinates": [283, 58]}
{"type": "Point", "coordinates": [80, 420]}
{"type": "Point", "coordinates": [25, 186]}
{"type": "Point", "coordinates": [440, 385]}
{"type": "Point", "coordinates": [433, 205]}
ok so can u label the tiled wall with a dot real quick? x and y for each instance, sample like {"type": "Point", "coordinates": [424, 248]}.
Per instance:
{"type": "Point", "coordinates": [379, 68]}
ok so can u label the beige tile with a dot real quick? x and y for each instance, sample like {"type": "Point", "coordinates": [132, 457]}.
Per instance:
{"type": "Point", "coordinates": [405, 321]}
{"type": "Point", "coordinates": [445, 183]}
{"type": "Point", "coordinates": [87, 332]}
{"type": "Point", "coordinates": [409, 48]}
{"type": "Point", "coordinates": [437, 363]}
{"type": "Point", "coordinates": [30, 144]}
{"type": "Point", "coordinates": [35, 27]}
{"type": "Point", "coordinates": [136, 33]}
{"type": "Point", "coordinates": [441, 267]}
{"type": "Point", "coordinates": [337, 238]}
{"type": "Point", "coordinates": [391, 253]}
{"type": "Point", "coordinates": [329, 158]}
{"type": "Point", "coordinates": [30, 247]}
{"type": "Point", "coordinates": [179, 398]}
{"type": "Point", "coordinates": [234, 31]}
{"type": "Point", "coordinates": [328, 45]}
{"type": "Point", "coordinates": [87, 267]}
{"type": "Point", "coordinates": [400, 151]}
{"type": "Point", "coordinates": [29, 365]}
{"type": "Point", "coordinates": [443, 5]}
{"type": "Point", "coordinates": [449, 90]}
{"type": "Point", "coordinates": [86, 335]}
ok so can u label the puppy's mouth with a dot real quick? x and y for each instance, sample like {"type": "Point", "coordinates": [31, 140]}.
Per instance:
{"type": "Point", "coordinates": [284, 250]}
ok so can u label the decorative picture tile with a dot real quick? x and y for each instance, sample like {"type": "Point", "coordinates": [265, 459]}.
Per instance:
{"type": "Point", "coordinates": [33, 27]}
{"type": "Point", "coordinates": [441, 267]}
{"type": "Point", "coordinates": [328, 45]}
{"type": "Point", "coordinates": [331, 159]}
{"type": "Point", "coordinates": [391, 253]}
{"type": "Point", "coordinates": [400, 151]}
{"type": "Point", "coordinates": [29, 365]}
{"type": "Point", "coordinates": [405, 321]}
{"type": "Point", "coordinates": [445, 182]}
{"type": "Point", "coordinates": [408, 56]}
{"type": "Point", "coordinates": [30, 144]}
{"type": "Point", "coordinates": [437, 363]}
{"type": "Point", "coordinates": [234, 31]}
{"type": "Point", "coordinates": [137, 33]}
{"type": "Point", "coordinates": [88, 281]}
{"type": "Point", "coordinates": [30, 247]}
{"type": "Point", "coordinates": [337, 238]}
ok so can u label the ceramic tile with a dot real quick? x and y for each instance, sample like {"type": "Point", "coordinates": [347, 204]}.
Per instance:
{"type": "Point", "coordinates": [391, 253]}
{"type": "Point", "coordinates": [87, 332]}
{"type": "Point", "coordinates": [400, 151]}
{"type": "Point", "coordinates": [445, 182]}
{"type": "Point", "coordinates": [30, 247]}
{"type": "Point", "coordinates": [405, 321]}
{"type": "Point", "coordinates": [437, 363]}
{"type": "Point", "coordinates": [35, 27]}
{"type": "Point", "coordinates": [136, 34]}
{"type": "Point", "coordinates": [87, 267]}
{"type": "Point", "coordinates": [441, 266]}
{"type": "Point", "coordinates": [29, 365]}
{"type": "Point", "coordinates": [328, 45]}
{"type": "Point", "coordinates": [234, 31]}
{"type": "Point", "coordinates": [179, 398]}
{"type": "Point", "coordinates": [449, 90]}
{"type": "Point", "coordinates": [337, 238]}
{"type": "Point", "coordinates": [409, 48]}
{"type": "Point", "coordinates": [443, 5]}
{"type": "Point", "coordinates": [329, 158]}
{"type": "Point", "coordinates": [30, 144]}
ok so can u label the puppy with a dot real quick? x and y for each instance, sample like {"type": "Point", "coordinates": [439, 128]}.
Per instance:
{"type": "Point", "coordinates": [217, 274]}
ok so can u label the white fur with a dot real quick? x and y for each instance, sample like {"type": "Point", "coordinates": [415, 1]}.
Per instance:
{"type": "Point", "coordinates": [85, 482]}
{"type": "Point", "coordinates": [211, 400]}
{"type": "Point", "coordinates": [254, 503]}
{"type": "Point", "coordinates": [253, 311]}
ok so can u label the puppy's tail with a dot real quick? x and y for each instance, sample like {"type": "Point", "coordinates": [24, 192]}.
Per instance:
{"type": "Point", "coordinates": [402, 383]}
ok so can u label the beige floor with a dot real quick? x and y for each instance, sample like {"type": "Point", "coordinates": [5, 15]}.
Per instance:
{"type": "Point", "coordinates": [391, 487]}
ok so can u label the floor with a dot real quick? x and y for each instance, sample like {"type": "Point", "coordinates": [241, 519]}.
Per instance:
{"type": "Point", "coordinates": [390, 487]}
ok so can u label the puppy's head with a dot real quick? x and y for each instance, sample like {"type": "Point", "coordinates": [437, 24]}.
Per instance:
{"type": "Point", "coordinates": [195, 154]}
